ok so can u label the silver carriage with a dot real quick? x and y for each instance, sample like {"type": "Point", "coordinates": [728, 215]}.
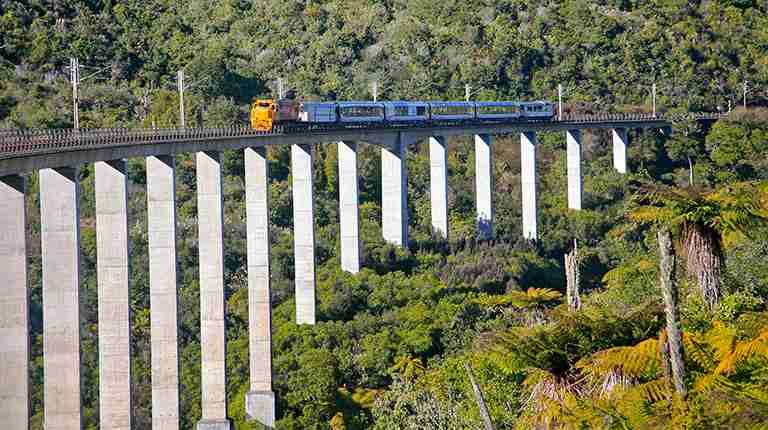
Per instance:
{"type": "Point", "coordinates": [360, 112]}
{"type": "Point", "coordinates": [321, 112]}
{"type": "Point", "coordinates": [497, 110]}
{"type": "Point", "coordinates": [402, 111]}
{"type": "Point", "coordinates": [452, 110]}
{"type": "Point", "coordinates": [537, 109]}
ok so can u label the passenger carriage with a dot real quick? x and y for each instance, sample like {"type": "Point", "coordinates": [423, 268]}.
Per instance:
{"type": "Point", "coordinates": [537, 110]}
{"type": "Point", "coordinates": [360, 113]}
{"type": "Point", "coordinates": [452, 111]}
{"type": "Point", "coordinates": [402, 112]}
{"type": "Point", "coordinates": [497, 111]}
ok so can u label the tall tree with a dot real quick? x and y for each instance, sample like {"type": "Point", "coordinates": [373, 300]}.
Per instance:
{"type": "Point", "coordinates": [572, 278]}
{"type": "Point", "coordinates": [704, 217]}
{"type": "Point", "coordinates": [667, 260]}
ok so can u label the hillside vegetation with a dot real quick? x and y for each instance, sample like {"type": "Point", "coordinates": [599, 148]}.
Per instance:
{"type": "Point", "coordinates": [391, 344]}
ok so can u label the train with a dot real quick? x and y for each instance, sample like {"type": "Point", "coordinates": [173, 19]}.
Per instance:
{"type": "Point", "coordinates": [290, 114]}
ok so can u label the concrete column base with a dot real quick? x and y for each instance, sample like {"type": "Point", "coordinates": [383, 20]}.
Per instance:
{"type": "Point", "coordinates": [260, 407]}
{"type": "Point", "coordinates": [213, 425]}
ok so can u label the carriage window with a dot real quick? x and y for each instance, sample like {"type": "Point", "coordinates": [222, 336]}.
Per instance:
{"type": "Point", "coordinates": [401, 110]}
{"type": "Point", "coordinates": [452, 109]}
{"type": "Point", "coordinates": [497, 109]}
{"type": "Point", "coordinates": [361, 111]}
{"type": "Point", "coordinates": [421, 110]}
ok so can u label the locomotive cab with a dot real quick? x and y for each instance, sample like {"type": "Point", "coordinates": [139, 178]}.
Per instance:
{"type": "Point", "coordinates": [267, 113]}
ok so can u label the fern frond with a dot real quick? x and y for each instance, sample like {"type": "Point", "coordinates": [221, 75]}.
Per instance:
{"type": "Point", "coordinates": [710, 382]}
{"type": "Point", "coordinates": [629, 360]}
{"type": "Point", "coordinates": [698, 350]}
{"type": "Point", "coordinates": [653, 215]}
{"type": "Point", "coordinates": [654, 391]}
{"type": "Point", "coordinates": [742, 351]}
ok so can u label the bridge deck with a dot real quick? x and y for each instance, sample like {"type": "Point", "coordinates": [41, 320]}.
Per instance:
{"type": "Point", "coordinates": [28, 150]}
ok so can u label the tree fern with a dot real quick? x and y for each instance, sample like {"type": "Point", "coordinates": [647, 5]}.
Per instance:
{"type": "Point", "coordinates": [706, 219]}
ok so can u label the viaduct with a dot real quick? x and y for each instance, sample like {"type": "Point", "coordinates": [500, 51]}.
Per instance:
{"type": "Point", "coordinates": [57, 155]}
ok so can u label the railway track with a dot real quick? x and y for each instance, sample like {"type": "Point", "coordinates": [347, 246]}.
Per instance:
{"type": "Point", "coordinates": [28, 142]}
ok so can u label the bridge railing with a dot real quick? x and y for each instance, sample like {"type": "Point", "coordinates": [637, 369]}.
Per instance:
{"type": "Point", "coordinates": [21, 142]}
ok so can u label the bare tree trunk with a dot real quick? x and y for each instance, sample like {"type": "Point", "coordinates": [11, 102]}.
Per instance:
{"type": "Point", "coordinates": [572, 276]}
{"type": "Point", "coordinates": [704, 261]}
{"type": "Point", "coordinates": [690, 171]}
{"type": "Point", "coordinates": [669, 291]}
{"type": "Point", "coordinates": [486, 417]}
{"type": "Point", "coordinates": [663, 345]}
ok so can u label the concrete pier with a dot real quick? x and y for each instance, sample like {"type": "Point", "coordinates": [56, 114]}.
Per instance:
{"type": "Point", "coordinates": [60, 240]}
{"type": "Point", "coordinates": [620, 149]}
{"type": "Point", "coordinates": [438, 182]}
{"type": "Point", "coordinates": [484, 185]}
{"type": "Point", "coordinates": [163, 292]}
{"type": "Point", "coordinates": [394, 194]}
{"type": "Point", "coordinates": [14, 305]}
{"type": "Point", "coordinates": [528, 178]}
{"type": "Point", "coordinates": [349, 219]}
{"type": "Point", "coordinates": [303, 232]}
{"type": "Point", "coordinates": [113, 271]}
{"type": "Point", "coordinates": [260, 399]}
{"type": "Point", "coordinates": [210, 225]}
{"type": "Point", "coordinates": [573, 153]}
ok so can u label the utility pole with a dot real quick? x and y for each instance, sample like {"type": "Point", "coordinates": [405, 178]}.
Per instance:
{"type": "Point", "coordinates": [467, 92]}
{"type": "Point", "coordinates": [745, 94]}
{"type": "Point", "coordinates": [729, 106]}
{"type": "Point", "coordinates": [279, 88]}
{"type": "Point", "coordinates": [654, 99]}
{"type": "Point", "coordinates": [559, 102]}
{"type": "Point", "coordinates": [375, 91]}
{"type": "Point", "coordinates": [180, 83]}
{"type": "Point", "coordinates": [74, 76]}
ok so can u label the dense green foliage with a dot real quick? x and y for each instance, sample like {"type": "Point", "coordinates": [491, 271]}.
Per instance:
{"type": "Point", "coordinates": [389, 350]}
{"type": "Point", "coordinates": [606, 54]}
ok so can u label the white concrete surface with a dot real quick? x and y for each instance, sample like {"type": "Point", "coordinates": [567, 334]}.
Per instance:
{"type": "Point", "coordinates": [14, 305]}
{"type": "Point", "coordinates": [163, 300]}
{"type": "Point", "coordinates": [573, 160]}
{"type": "Point", "coordinates": [394, 194]}
{"type": "Point", "coordinates": [349, 218]}
{"type": "Point", "coordinates": [528, 178]}
{"type": "Point", "coordinates": [303, 232]}
{"type": "Point", "coordinates": [438, 184]}
{"type": "Point", "coordinates": [484, 185]}
{"type": "Point", "coordinates": [259, 401]}
{"type": "Point", "coordinates": [620, 143]}
{"type": "Point", "coordinates": [113, 275]}
{"type": "Point", "coordinates": [60, 240]}
{"type": "Point", "coordinates": [210, 227]}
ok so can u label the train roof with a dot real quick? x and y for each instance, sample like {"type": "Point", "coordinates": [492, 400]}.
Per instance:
{"type": "Point", "coordinates": [360, 103]}
{"type": "Point", "coordinates": [404, 102]}
{"type": "Point", "coordinates": [452, 103]}
{"type": "Point", "coordinates": [499, 103]}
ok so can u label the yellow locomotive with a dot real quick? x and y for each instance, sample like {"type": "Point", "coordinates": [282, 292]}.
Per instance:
{"type": "Point", "coordinates": [266, 113]}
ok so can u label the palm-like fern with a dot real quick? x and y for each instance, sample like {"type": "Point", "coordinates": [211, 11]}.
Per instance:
{"type": "Point", "coordinates": [706, 219]}
{"type": "Point", "coordinates": [409, 367]}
